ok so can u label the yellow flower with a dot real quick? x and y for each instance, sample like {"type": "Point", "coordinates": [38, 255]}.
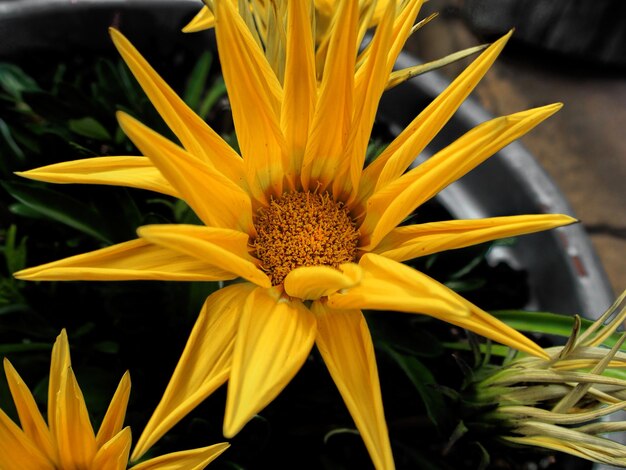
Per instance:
{"type": "Point", "coordinates": [314, 236]}
{"type": "Point", "coordinates": [264, 13]}
{"type": "Point", "coordinates": [68, 441]}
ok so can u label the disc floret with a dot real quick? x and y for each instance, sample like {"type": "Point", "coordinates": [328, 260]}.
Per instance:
{"type": "Point", "coordinates": [304, 229]}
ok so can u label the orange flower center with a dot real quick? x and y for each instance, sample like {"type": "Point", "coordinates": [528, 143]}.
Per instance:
{"type": "Point", "coordinates": [303, 229]}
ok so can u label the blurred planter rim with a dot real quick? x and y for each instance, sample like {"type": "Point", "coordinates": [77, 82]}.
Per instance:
{"type": "Point", "coordinates": [564, 272]}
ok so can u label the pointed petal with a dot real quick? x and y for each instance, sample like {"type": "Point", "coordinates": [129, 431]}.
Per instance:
{"type": "Point", "coordinates": [401, 30]}
{"type": "Point", "coordinates": [194, 459]}
{"type": "Point", "coordinates": [217, 200]}
{"type": "Point", "coordinates": [390, 205]}
{"type": "Point", "coordinates": [402, 27]}
{"type": "Point", "coordinates": [203, 20]}
{"type": "Point", "coordinates": [113, 453]}
{"type": "Point", "coordinates": [276, 41]}
{"type": "Point", "coordinates": [333, 113]}
{"type": "Point", "coordinates": [17, 452]}
{"type": "Point", "coordinates": [274, 339]}
{"type": "Point", "coordinates": [133, 260]}
{"type": "Point", "coordinates": [300, 85]}
{"type": "Point", "coordinates": [414, 138]}
{"type": "Point", "coordinates": [31, 420]}
{"type": "Point", "coordinates": [315, 282]}
{"type": "Point", "coordinates": [196, 136]}
{"type": "Point", "coordinates": [60, 362]}
{"type": "Point", "coordinates": [388, 285]}
{"type": "Point", "coordinates": [114, 418]}
{"type": "Point", "coordinates": [367, 95]}
{"type": "Point", "coordinates": [408, 242]}
{"type": "Point", "coordinates": [345, 344]}
{"type": "Point", "coordinates": [133, 172]}
{"type": "Point", "coordinates": [224, 248]}
{"type": "Point", "coordinates": [204, 365]}
{"type": "Point", "coordinates": [480, 322]}
{"type": "Point", "coordinates": [74, 434]}
{"type": "Point", "coordinates": [255, 96]}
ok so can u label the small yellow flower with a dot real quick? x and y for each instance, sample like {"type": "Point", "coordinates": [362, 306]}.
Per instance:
{"type": "Point", "coordinates": [314, 236]}
{"type": "Point", "coordinates": [68, 441]}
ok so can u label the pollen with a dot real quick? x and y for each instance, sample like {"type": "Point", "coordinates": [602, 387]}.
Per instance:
{"type": "Point", "coordinates": [303, 229]}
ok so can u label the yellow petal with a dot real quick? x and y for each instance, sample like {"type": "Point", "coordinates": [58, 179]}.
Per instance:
{"type": "Point", "coordinates": [255, 96]}
{"type": "Point", "coordinates": [194, 459]}
{"type": "Point", "coordinates": [74, 434]}
{"type": "Point", "coordinates": [17, 452]}
{"type": "Point", "coordinates": [413, 139]}
{"type": "Point", "coordinates": [195, 134]}
{"type": "Point", "coordinates": [114, 418]}
{"type": "Point", "coordinates": [367, 95]}
{"type": "Point", "coordinates": [204, 365]}
{"type": "Point", "coordinates": [333, 113]}
{"type": "Point", "coordinates": [315, 282]}
{"type": "Point", "coordinates": [203, 20]}
{"type": "Point", "coordinates": [402, 29]}
{"type": "Point", "coordinates": [31, 420]}
{"type": "Point", "coordinates": [388, 285]}
{"type": "Point", "coordinates": [300, 84]}
{"type": "Point", "coordinates": [411, 241]}
{"type": "Point", "coordinates": [224, 248]}
{"type": "Point", "coordinates": [213, 197]}
{"type": "Point", "coordinates": [480, 322]}
{"type": "Point", "coordinates": [272, 19]}
{"type": "Point", "coordinates": [134, 172]}
{"type": "Point", "coordinates": [113, 453]}
{"type": "Point", "coordinates": [60, 362]}
{"type": "Point", "coordinates": [133, 260]}
{"type": "Point", "coordinates": [345, 344]}
{"type": "Point", "coordinates": [274, 339]}
{"type": "Point", "coordinates": [390, 205]}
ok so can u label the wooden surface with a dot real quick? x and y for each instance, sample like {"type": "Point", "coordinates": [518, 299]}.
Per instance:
{"type": "Point", "coordinates": [583, 147]}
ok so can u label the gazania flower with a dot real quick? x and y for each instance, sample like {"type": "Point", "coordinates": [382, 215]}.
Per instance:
{"type": "Point", "coordinates": [266, 14]}
{"type": "Point", "coordinates": [68, 441]}
{"type": "Point", "coordinates": [313, 235]}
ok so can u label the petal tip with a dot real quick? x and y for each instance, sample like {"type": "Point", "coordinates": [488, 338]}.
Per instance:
{"type": "Point", "coordinates": [230, 429]}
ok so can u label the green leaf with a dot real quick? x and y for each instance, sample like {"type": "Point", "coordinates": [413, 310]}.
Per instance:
{"type": "Point", "coordinates": [197, 80]}
{"type": "Point", "coordinates": [548, 323]}
{"type": "Point", "coordinates": [107, 347]}
{"type": "Point", "coordinates": [6, 134]}
{"type": "Point", "coordinates": [60, 208]}
{"type": "Point", "coordinates": [14, 80]}
{"type": "Point", "coordinates": [25, 211]}
{"type": "Point", "coordinates": [466, 285]}
{"type": "Point", "coordinates": [6, 349]}
{"type": "Point", "coordinates": [405, 334]}
{"type": "Point", "coordinates": [15, 254]}
{"type": "Point", "coordinates": [90, 128]}
{"type": "Point", "coordinates": [14, 308]}
{"type": "Point", "coordinates": [217, 90]}
{"type": "Point", "coordinates": [424, 383]}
